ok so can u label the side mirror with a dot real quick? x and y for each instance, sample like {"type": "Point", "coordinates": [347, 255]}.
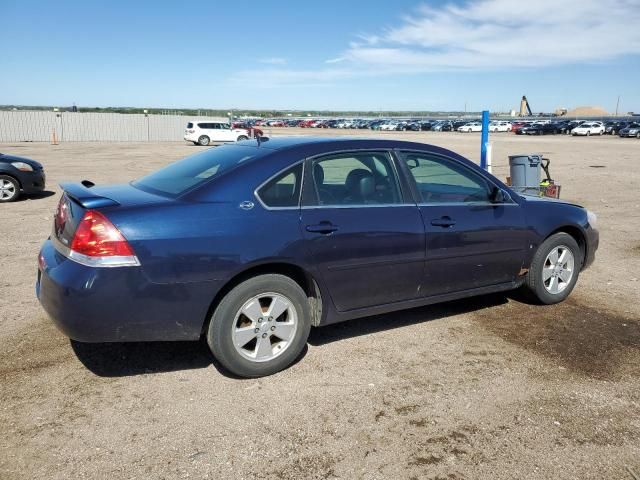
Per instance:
{"type": "Point", "coordinates": [498, 195]}
{"type": "Point", "coordinates": [412, 163]}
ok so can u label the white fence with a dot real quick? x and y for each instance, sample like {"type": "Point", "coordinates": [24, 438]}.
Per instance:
{"type": "Point", "coordinates": [38, 126]}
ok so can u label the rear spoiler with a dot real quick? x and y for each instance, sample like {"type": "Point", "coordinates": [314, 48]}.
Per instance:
{"type": "Point", "coordinates": [82, 194]}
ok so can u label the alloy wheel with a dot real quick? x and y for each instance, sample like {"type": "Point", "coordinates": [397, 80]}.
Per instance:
{"type": "Point", "coordinates": [264, 327]}
{"type": "Point", "coordinates": [558, 269]}
{"type": "Point", "coordinates": [7, 190]}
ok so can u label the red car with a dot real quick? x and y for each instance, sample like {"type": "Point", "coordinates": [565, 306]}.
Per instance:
{"type": "Point", "coordinates": [251, 131]}
{"type": "Point", "coordinates": [516, 125]}
{"type": "Point", "coordinates": [306, 123]}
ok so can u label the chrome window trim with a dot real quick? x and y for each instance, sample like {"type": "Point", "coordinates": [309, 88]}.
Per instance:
{"type": "Point", "coordinates": [467, 204]}
{"type": "Point", "coordinates": [378, 205]}
{"type": "Point", "coordinates": [279, 172]}
{"type": "Point", "coordinates": [87, 261]}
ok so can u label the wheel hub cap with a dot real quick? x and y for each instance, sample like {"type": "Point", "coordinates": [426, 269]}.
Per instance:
{"type": "Point", "coordinates": [7, 189]}
{"type": "Point", "coordinates": [558, 269]}
{"type": "Point", "coordinates": [264, 327]}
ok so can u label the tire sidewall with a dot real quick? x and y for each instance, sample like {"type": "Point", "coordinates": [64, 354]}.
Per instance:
{"type": "Point", "coordinates": [16, 186]}
{"type": "Point", "coordinates": [219, 330]}
{"type": "Point", "coordinates": [534, 277]}
{"type": "Point", "coordinates": [204, 140]}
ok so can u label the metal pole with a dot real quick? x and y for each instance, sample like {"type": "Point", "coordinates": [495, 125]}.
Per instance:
{"type": "Point", "coordinates": [484, 139]}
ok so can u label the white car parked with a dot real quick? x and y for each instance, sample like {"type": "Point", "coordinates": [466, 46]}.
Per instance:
{"type": "Point", "coordinates": [500, 126]}
{"type": "Point", "coordinates": [389, 126]}
{"type": "Point", "coordinates": [471, 127]}
{"type": "Point", "coordinates": [588, 128]}
{"type": "Point", "coordinates": [204, 133]}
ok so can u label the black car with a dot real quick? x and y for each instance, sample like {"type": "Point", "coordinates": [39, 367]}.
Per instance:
{"type": "Point", "coordinates": [612, 128]}
{"type": "Point", "coordinates": [540, 129]}
{"type": "Point", "coordinates": [19, 176]}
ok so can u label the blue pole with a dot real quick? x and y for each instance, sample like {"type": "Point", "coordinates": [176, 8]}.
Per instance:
{"type": "Point", "coordinates": [484, 139]}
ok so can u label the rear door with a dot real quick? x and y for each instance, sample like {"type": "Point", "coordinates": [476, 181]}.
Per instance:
{"type": "Point", "coordinates": [366, 238]}
{"type": "Point", "coordinates": [471, 242]}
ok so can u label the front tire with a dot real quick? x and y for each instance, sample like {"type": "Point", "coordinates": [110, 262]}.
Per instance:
{"type": "Point", "coordinates": [9, 189]}
{"type": "Point", "coordinates": [204, 140]}
{"type": "Point", "coordinates": [261, 326]}
{"type": "Point", "coordinates": [554, 270]}
{"type": "Point", "coordinates": [242, 137]}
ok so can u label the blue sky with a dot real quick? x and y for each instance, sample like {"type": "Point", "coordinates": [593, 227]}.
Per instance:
{"type": "Point", "coordinates": [327, 54]}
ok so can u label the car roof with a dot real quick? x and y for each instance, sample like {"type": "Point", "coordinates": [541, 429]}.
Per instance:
{"type": "Point", "coordinates": [329, 143]}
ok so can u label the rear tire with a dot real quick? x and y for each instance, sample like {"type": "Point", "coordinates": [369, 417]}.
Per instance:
{"type": "Point", "coordinates": [551, 277]}
{"type": "Point", "coordinates": [242, 137]}
{"type": "Point", "coordinates": [9, 189]}
{"type": "Point", "coordinates": [241, 326]}
{"type": "Point", "coordinates": [204, 140]}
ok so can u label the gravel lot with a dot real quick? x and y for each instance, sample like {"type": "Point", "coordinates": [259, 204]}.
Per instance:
{"type": "Point", "coordinates": [485, 388]}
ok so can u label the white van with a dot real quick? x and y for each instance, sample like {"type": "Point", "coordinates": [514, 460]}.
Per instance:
{"type": "Point", "coordinates": [204, 133]}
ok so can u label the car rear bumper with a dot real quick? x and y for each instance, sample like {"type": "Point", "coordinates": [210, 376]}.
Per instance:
{"type": "Point", "coordinates": [90, 304]}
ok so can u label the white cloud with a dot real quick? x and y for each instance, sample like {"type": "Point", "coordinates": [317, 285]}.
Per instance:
{"type": "Point", "coordinates": [492, 34]}
{"type": "Point", "coordinates": [479, 35]}
{"type": "Point", "coordinates": [273, 61]}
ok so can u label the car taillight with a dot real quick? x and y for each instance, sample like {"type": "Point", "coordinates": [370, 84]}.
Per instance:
{"type": "Point", "coordinates": [96, 236]}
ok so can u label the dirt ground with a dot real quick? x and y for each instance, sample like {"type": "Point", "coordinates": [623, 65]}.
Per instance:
{"type": "Point", "coordinates": [486, 388]}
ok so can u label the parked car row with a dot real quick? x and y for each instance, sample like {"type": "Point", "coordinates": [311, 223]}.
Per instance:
{"type": "Point", "coordinates": [623, 128]}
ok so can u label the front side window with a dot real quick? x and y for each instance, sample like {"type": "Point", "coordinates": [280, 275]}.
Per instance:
{"type": "Point", "coordinates": [283, 190]}
{"type": "Point", "coordinates": [444, 181]}
{"type": "Point", "coordinates": [355, 178]}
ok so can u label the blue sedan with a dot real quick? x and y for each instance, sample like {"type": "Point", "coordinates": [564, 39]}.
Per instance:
{"type": "Point", "coordinates": [249, 245]}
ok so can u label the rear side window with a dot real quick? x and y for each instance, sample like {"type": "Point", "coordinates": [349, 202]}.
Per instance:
{"type": "Point", "coordinates": [189, 125]}
{"type": "Point", "coordinates": [283, 190]}
{"type": "Point", "coordinates": [354, 179]}
{"type": "Point", "coordinates": [197, 169]}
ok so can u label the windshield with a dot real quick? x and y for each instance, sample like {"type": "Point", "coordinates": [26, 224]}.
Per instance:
{"type": "Point", "coordinates": [176, 178]}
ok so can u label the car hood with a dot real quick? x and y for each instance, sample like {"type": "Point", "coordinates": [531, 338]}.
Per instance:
{"type": "Point", "coordinates": [535, 199]}
{"type": "Point", "coordinates": [13, 158]}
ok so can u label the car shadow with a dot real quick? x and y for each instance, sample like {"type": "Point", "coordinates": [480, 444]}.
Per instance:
{"type": "Point", "coordinates": [142, 358]}
{"type": "Point", "coordinates": [138, 358]}
{"type": "Point", "coordinates": [402, 318]}
{"type": "Point", "coordinates": [35, 196]}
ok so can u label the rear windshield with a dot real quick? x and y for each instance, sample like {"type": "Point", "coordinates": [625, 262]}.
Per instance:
{"type": "Point", "coordinates": [183, 175]}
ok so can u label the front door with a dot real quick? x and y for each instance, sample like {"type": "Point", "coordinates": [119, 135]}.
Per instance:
{"type": "Point", "coordinates": [367, 241]}
{"type": "Point", "coordinates": [471, 241]}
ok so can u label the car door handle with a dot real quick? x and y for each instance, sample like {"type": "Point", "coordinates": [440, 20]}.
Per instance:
{"type": "Point", "coordinates": [444, 222]}
{"type": "Point", "coordinates": [325, 228]}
